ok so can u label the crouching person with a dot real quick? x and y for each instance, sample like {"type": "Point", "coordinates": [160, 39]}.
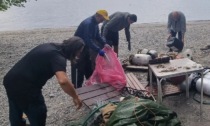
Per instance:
{"type": "Point", "coordinates": [23, 83]}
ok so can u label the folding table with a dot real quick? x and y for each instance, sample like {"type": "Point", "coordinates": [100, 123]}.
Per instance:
{"type": "Point", "coordinates": [174, 68]}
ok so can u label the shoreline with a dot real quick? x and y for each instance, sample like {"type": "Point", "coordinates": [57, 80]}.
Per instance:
{"type": "Point", "coordinates": [74, 27]}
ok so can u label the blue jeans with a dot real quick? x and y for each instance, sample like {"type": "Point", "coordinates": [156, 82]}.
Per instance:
{"type": "Point", "coordinates": [32, 105]}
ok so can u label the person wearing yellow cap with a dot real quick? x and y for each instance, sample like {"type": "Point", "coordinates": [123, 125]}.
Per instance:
{"type": "Point", "coordinates": [88, 30]}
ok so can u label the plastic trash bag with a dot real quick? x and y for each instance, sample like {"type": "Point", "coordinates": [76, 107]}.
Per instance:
{"type": "Point", "coordinates": [108, 70]}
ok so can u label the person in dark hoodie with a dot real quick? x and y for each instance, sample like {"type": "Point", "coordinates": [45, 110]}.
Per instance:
{"type": "Point", "coordinates": [88, 30]}
{"type": "Point", "coordinates": [117, 21]}
{"type": "Point", "coordinates": [24, 81]}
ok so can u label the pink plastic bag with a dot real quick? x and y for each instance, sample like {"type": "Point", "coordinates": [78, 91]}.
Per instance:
{"type": "Point", "coordinates": [108, 70]}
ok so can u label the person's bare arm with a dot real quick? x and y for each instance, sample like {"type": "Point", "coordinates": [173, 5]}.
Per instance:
{"type": "Point", "coordinates": [68, 87]}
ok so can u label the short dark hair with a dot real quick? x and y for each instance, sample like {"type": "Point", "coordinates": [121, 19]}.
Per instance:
{"type": "Point", "coordinates": [133, 17]}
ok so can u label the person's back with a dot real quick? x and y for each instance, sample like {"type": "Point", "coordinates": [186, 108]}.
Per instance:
{"type": "Point", "coordinates": [35, 68]}
{"type": "Point", "coordinates": [24, 81]}
{"type": "Point", "coordinates": [88, 30]}
{"type": "Point", "coordinates": [117, 22]}
{"type": "Point", "coordinates": [177, 22]}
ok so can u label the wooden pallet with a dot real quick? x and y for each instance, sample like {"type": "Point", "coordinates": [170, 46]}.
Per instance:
{"type": "Point", "coordinates": [91, 95]}
{"type": "Point", "coordinates": [134, 83]}
{"type": "Point", "coordinates": [135, 67]}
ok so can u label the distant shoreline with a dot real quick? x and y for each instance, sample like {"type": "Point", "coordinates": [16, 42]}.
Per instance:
{"type": "Point", "coordinates": [74, 27]}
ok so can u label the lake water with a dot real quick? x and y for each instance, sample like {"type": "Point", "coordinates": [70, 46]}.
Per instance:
{"type": "Point", "coordinates": [67, 13]}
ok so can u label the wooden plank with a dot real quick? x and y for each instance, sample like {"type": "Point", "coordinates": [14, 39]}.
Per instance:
{"type": "Point", "coordinates": [103, 97]}
{"type": "Point", "coordinates": [137, 82]}
{"type": "Point", "coordinates": [133, 82]}
{"type": "Point", "coordinates": [134, 67]}
{"type": "Point", "coordinates": [169, 89]}
{"type": "Point", "coordinates": [116, 98]}
{"type": "Point", "coordinates": [129, 82]}
{"type": "Point", "coordinates": [95, 93]}
{"type": "Point", "coordinates": [86, 89]}
{"type": "Point", "coordinates": [101, 92]}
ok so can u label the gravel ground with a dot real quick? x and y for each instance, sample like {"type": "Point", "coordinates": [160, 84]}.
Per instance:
{"type": "Point", "coordinates": [15, 44]}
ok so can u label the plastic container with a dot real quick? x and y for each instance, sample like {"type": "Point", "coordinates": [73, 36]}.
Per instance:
{"type": "Point", "coordinates": [153, 54]}
{"type": "Point", "coordinates": [207, 76]}
{"type": "Point", "coordinates": [141, 59]}
{"type": "Point", "coordinates": [206, 85]}
{"type": "Point", "coordinates": [144, 51]}
{"type": "Point", "coordinates": [187, 54]}
{"type": "Point", "coordinates": [190, 80]}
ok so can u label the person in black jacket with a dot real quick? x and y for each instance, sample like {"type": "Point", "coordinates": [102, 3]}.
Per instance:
{"type": "Point", "coordinates": [24, 81]}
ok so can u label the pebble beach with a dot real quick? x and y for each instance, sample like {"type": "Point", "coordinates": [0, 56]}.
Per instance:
{"type": "Point", "coordinates": [61, 110]}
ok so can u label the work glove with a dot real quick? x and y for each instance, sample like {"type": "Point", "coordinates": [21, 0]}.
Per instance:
{"type": "Point", "coordinates": [101, 53]}
{"type": "Point", "coordinates": [129, 46]}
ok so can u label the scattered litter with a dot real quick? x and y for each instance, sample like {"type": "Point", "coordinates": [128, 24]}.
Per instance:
{"type": "Point", "coordinates": [52, 95]}
{"type": "Point", "coordinates": [170, 69]}
{"type": "Point", "coordinates": [160, 66]}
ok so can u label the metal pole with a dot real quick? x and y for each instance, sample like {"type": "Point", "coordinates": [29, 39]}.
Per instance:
{"type": "Point", "coordinates": [76, 77]}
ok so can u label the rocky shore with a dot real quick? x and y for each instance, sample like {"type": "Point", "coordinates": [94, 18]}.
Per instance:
{"type": "Point", "coordinates": [15, 44]}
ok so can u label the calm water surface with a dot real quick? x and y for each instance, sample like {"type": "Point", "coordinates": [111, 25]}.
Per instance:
{"type": "Point", "coordinates": [67, 13]}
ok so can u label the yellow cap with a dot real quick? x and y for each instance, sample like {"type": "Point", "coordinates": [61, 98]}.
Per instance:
{"type": "Point", "coordinates": [103, 13]}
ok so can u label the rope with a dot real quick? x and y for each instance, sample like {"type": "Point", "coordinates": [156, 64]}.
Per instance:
{"type": "Point", "coordinates": [146, 109]}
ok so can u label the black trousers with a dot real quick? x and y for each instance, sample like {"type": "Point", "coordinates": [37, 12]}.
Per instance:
{"type": "Point", "coordinates": [83, 68]}
{"type": "Point", "coordinates": [33, 105]}
{"type": "Point", "coordinates": [173, 34]}
{"type": "Point", "coordinates": [112, 38]}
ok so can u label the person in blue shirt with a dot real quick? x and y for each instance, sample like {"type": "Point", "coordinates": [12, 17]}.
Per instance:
{"type": "Point", "coordinates": [88, 30]}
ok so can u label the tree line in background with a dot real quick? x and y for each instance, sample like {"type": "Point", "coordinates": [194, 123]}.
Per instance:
{"type": "Point", "coordinates": [5, 4]}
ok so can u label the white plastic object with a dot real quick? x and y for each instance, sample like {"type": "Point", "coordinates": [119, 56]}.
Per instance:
{"type": "Point", "coordinates": [207, 75]}
{"type": "Point", "coordinates": [206, 85]}
{"type": "Point", "coordinates": [144, 51]}
{"type": "Point", "coordinates": [187, 53]}
{"type": "Point", "coordinates": [190, 79]}
{"type": "Point", "coordinates": [141, 59]}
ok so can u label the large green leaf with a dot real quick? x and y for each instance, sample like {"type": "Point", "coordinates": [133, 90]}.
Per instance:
{"type": "Point", "coordinates": [137, 112]}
